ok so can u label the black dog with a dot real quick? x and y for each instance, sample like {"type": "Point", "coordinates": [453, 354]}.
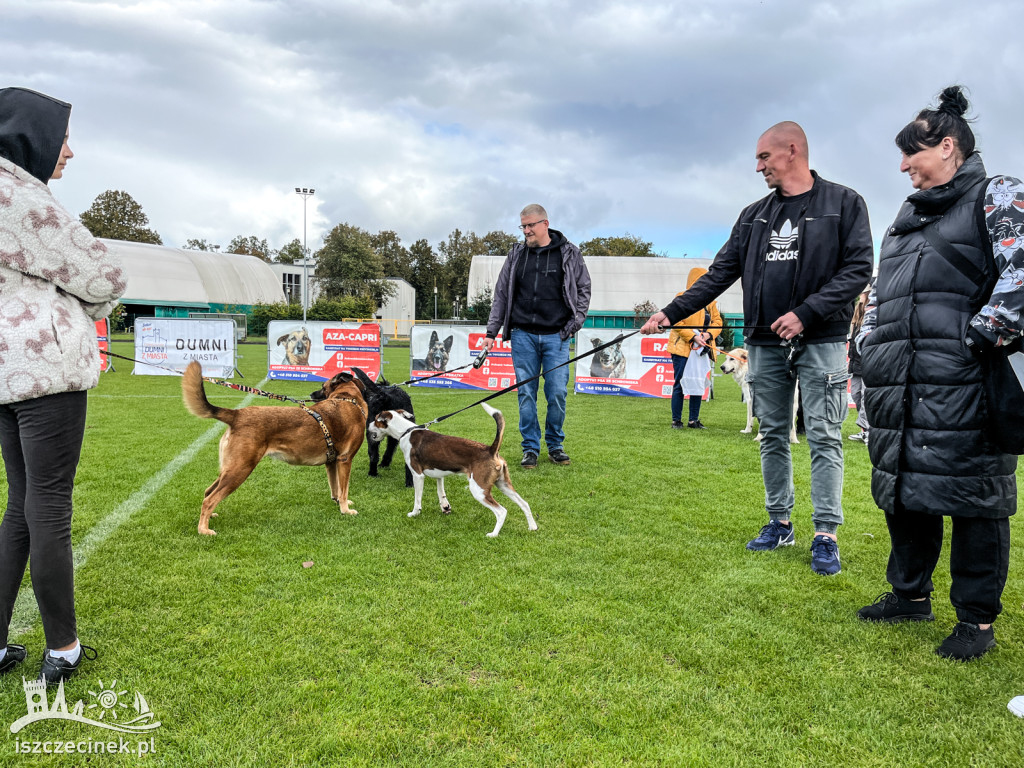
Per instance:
{"type": "Point", "coordinates": [381, 396]}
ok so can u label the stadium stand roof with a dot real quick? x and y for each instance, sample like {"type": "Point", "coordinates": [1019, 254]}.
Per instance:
{"type": "Point", "coordinates": [158, 274]}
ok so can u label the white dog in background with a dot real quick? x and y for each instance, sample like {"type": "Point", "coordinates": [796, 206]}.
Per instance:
{"type": "Point", "coordinates": [736, 364]}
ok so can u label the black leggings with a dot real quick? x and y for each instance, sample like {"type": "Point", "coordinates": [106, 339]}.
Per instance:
{"type": "Point", "coordinates": [978, 560]}
{"type": "Point", "coordinates": [41, 441]}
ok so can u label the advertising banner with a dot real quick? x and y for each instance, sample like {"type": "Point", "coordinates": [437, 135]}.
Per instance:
{"type": "Point", "coordinates": [435, 348]}
{"type": "Point", "coordinates": [639, 366]}
{"type": "Point", "coordinates": [173, 342]}
{"type": "Point", "coordinates": [103, 339]}
{"type": "Point", "coordinates": [318, 350]}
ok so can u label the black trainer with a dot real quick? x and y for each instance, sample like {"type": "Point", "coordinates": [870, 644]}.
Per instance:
{"type": "Point", "coordinates": [14, 656]}
{"type": "Point", "coordinates": [529, 460]}
{"type": "Point", "coordinates": [55, 668]}
{"type": "Point", "coordinates": [678, 425]}
{"type": "Point", "coordinates": [559, 456]}
{"type": "Point", "coordinates": [892, 609]}
{"type": "Point", "coordinates": [695, 424]}
{"type": "Point", "coordinates": [968, 641]}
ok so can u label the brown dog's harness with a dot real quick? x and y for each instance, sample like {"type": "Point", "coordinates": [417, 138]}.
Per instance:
{"type": "Point", "coordinates": [332, 452]}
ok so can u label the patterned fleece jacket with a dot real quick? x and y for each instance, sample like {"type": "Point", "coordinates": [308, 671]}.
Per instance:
{"type": "Point", "coordinates": [56, 280]}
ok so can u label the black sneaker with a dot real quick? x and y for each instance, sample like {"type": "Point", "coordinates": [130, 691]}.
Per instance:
{"type": "Point", "coordinates": [695, 424]}
{"type": "Point", "coordinates": [892, 609]}
{"type": "Point", "coordinates": [14, 656]}
{"type": "Point", "coordinates": [55, 669]}
{"type": "Point", "coordinates": [529, 460]}
{"type": "Point", "coordinates": [678, 425]}
{"type": "Point", "coordinates": [968, 641]}
{"type": "Point", "coordinates": [559, 456]}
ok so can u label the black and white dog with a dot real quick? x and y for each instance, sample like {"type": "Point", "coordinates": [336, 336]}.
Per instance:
{"type": "Point", "coordinates": [381, 396]}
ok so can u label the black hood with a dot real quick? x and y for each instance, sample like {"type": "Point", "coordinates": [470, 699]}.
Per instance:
{"type": "Point", "coordinates": [32, 130]}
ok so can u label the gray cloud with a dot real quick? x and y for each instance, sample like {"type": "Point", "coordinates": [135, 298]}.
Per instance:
{"type": "Point", "coordinates": [426, 116]}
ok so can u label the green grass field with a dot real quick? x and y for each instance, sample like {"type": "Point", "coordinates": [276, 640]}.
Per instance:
{"type": "Point", "coordinates": [633, 628]}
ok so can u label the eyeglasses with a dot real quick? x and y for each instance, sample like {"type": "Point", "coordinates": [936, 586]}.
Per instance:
{"type": "Point", "coordinates": [531, 225]}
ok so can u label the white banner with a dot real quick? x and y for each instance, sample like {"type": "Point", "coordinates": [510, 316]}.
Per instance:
{"type": "Point", "coordinates": [319, 349]}
{"type": "Point", "coordinates": [638, 366]}
{"type": "Point", "coordinates": [169, 344]}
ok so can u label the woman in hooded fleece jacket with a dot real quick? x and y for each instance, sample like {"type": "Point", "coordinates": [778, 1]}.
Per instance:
{"type": "Point", "coordinates": [56, 280]}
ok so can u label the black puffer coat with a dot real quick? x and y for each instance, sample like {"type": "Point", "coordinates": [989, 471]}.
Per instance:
{"type": "Point", "coordinates": [923, 391]}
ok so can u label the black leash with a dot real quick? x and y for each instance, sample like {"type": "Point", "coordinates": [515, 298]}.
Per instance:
{"type": "Point", "coordinates": [618, 339]}
{"type": "Point", "coordinates": [332, 452]}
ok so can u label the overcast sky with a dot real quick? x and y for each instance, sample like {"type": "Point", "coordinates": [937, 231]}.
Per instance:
{"type": "Point", "coordinates": [423, 116]}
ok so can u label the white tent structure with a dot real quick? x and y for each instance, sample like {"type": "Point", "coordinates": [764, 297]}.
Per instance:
{"type": "Point", "coordinates": [619, 283]}
{"type": "Point", "coordinates": [175, 280]}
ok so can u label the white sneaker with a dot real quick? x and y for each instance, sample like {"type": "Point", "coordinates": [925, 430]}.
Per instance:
{"type": "Point", "coordinates": [861, 437]}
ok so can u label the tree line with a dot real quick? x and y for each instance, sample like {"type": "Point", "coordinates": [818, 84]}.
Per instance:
{"type": "Point", "coordinates": [355, 263]}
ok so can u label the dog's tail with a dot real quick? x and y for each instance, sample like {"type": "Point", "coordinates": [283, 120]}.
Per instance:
{"type": "Point", "coordinates": [500, 421]}
{"type": "Point", "coordinates": [195, 398]}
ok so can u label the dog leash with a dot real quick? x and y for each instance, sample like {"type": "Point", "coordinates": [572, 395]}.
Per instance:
{"type": "Point", "coordinates": [618, 339]}
{"type": "Point", "coordinates": [332, 452]}
{"type": "Point", "coordinates": [477, 362]}
{"type": "Point", "coordinates": [230, 385]}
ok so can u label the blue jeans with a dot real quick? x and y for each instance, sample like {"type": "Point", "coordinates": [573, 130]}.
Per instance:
{"type": "Point", "coordinates": [678, 366]}
{"type": "Point", "coordinates": [821, 371]}
{"type": "Point", "coordinates": [531, 354]}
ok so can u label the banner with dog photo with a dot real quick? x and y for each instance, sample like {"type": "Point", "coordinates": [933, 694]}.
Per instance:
{"type": "Point", "coordinates": [317, 350]}
{"type": "Point", "coordinates": [437, 348]}
{"type": "Point", "coordinates": [639, 366]}
{"type": "Point", "coordinates": [169, 344]}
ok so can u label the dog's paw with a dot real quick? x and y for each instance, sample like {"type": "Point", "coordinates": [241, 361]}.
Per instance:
{"type": "Point", "coordinates": [759, 437]}
{"type": "Point", "coordinates": [213, 514]}
{"type": "Point", "coordinates": [207, 531]}
{"type": "Point", "coordinates": [746, 431]}
{"type": "Point", "coordinates": [446, 509]}
{"type": "Point", "coordinates": [414, 513]}
{"type": "Point", "coordinates": [493, 534]}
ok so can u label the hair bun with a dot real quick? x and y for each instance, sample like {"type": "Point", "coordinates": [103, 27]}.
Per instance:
{"type": "Point", "coordinates": [953, 101]}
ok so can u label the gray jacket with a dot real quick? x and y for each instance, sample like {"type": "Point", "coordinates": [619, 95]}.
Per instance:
{"type": "Point", "coordinates": [575, 291]}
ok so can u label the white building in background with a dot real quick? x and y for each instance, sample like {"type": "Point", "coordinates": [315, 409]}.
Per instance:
{"type": "Point", "coordinates": [398, 314]}
{"type": "Point", "coordinates": [619, 283]}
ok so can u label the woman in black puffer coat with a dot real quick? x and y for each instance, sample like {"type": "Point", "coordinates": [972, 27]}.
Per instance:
{"type": "Point", "coordinates": [926, 327]}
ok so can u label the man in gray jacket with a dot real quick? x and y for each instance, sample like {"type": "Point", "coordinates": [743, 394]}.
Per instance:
{"type": "Point", "coordinates": [540, 300]}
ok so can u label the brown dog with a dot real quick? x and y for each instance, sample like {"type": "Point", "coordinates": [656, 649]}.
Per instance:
{"type": "Point", "coordinates": [289, 434]}
{"type": "Point", "coordinates": [429, 454]}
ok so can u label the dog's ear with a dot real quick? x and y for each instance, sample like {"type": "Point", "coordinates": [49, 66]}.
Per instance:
{"type": "Point", "coordinates": [596, 342]}
{"type": "Point", "coordinates": [365, 380]}
{"type": "Point", "coordinates": [283, 339]}
{"type": "Point", "coordinates": [406, 415]}
{"type": "Point", "coordinates": [433, 338]}
{"type": "Point", "coordinates": [448, 343]}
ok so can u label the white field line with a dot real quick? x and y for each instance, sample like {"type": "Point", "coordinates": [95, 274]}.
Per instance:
{"type": "Point", "coordinates": [25, 611]}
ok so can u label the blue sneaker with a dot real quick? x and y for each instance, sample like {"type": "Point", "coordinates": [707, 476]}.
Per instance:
{"type": "Point", "coordinates": [773, 536]}
{"type": "Point", "coordinates": [824, 556]}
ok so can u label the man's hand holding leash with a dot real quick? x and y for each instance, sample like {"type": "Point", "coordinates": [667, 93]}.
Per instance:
{"type": "Point", "coordinates": [788, 326]}
{"type": "Point", "coordinates": [654, 324]}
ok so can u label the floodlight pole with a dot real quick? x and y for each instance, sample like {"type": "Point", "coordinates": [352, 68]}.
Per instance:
{"type": "Point", "coordinates": [306, 194]}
